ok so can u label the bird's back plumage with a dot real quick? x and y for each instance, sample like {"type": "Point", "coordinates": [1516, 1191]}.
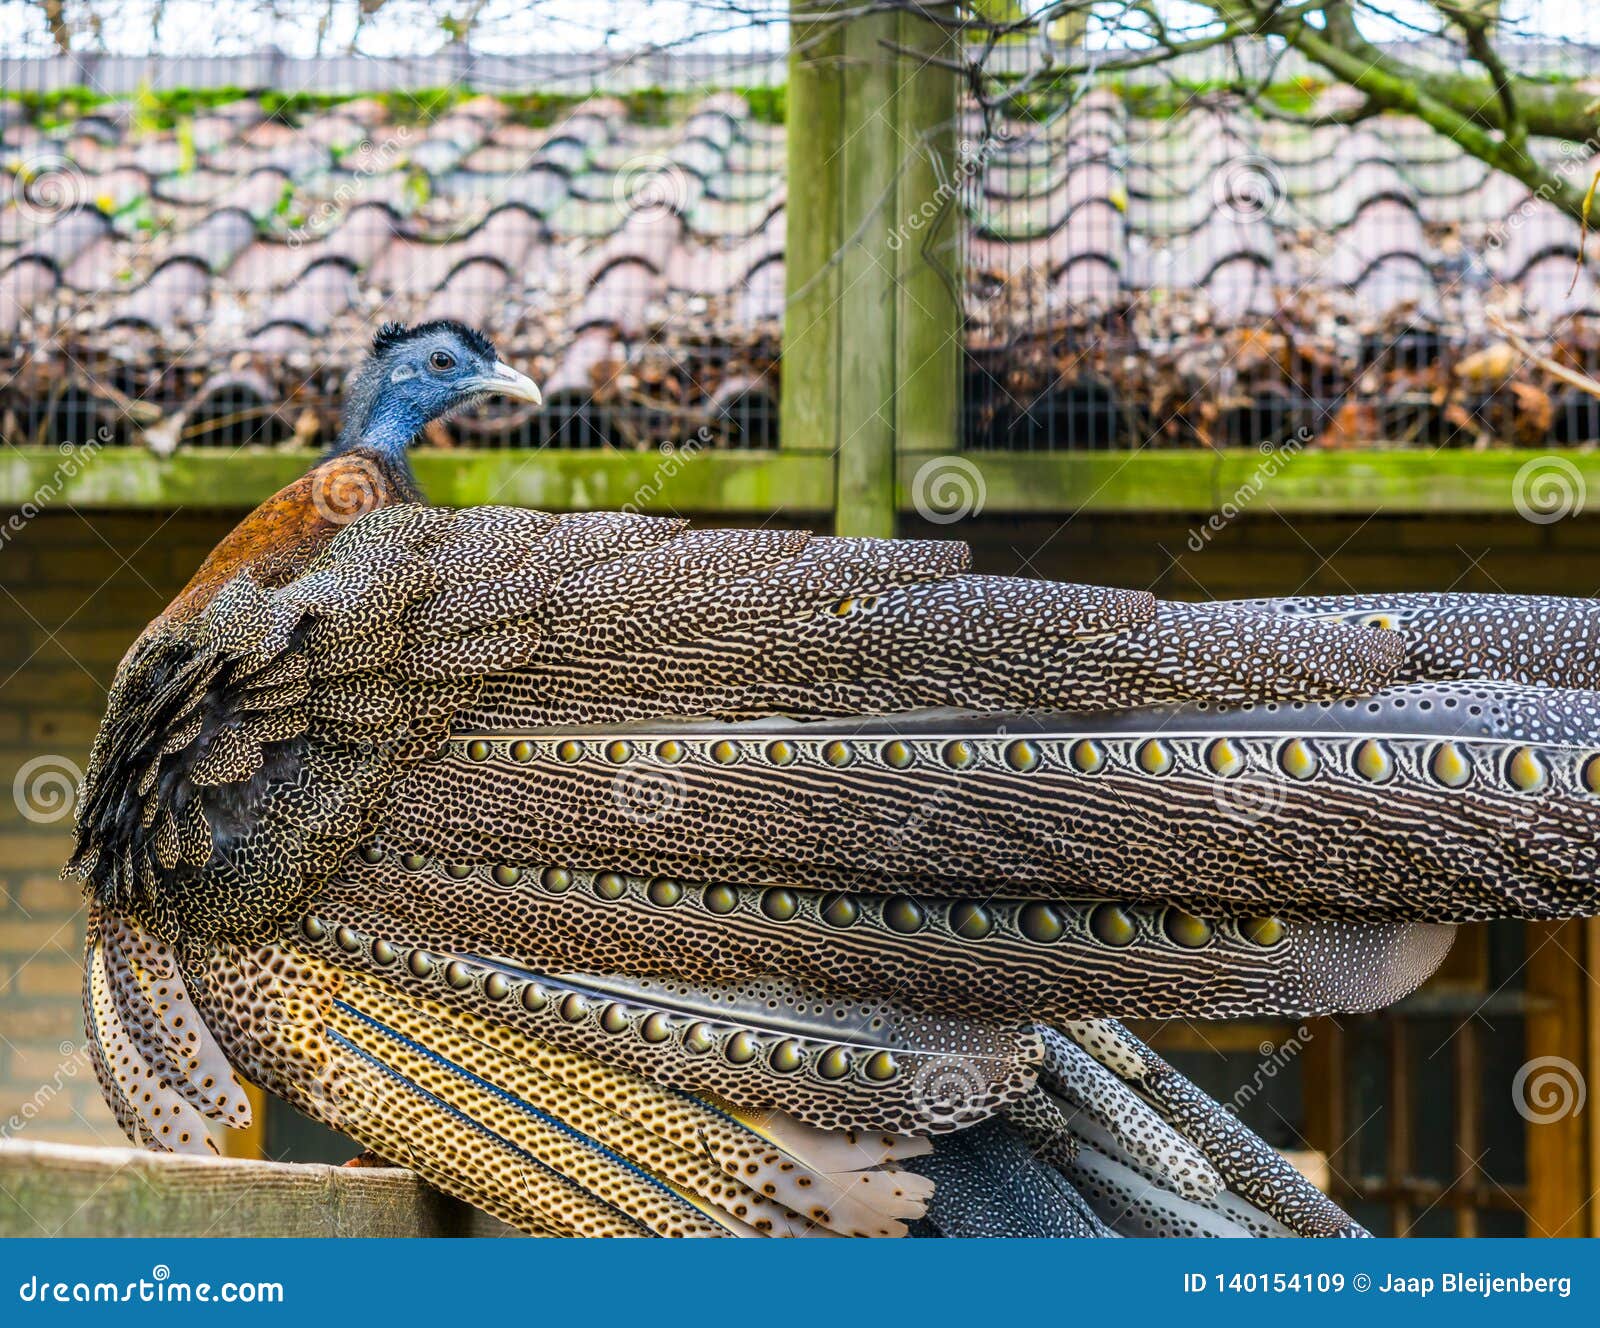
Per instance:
{"type": "Point", "coordinates": [624, 878]}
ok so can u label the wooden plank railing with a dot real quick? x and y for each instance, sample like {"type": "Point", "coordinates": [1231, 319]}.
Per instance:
{"type": "Point", "coordinates": [66, 1190]}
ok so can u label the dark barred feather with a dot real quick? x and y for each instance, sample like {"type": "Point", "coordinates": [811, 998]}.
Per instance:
{"type": "Point", "coordinates": [624, 879]}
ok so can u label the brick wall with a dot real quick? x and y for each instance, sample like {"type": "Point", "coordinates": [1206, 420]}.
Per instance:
{"type": "Point", "coordinates": [74, 590]}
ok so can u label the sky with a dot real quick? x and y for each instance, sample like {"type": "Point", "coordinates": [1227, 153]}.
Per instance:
{"type": "Point", "coordinates": [412, 27]}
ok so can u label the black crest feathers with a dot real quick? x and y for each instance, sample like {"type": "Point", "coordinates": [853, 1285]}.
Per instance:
{"type": "Point", "coordinates": [391, 335]}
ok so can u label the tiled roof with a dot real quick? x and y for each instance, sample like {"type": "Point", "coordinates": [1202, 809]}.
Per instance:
{"type": "Point", "coordinates": [227, 272]}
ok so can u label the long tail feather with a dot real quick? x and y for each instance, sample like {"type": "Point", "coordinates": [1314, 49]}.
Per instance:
{"type": "Point", "coordinates": [1431, 802]}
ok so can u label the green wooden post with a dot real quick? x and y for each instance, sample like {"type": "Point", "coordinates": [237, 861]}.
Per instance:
{"type": "Point", "coordinates": [871, 349]}
{"type": "Point", "coordinates": [929, 262]}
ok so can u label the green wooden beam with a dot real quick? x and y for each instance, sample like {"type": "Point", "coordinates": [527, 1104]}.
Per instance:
{"type": "Point", "coordinates": [757, 484]}
{"type": "Point", "coordinates": [1201, 483]}
{"type": "Point", "coordinates": [707, 482]}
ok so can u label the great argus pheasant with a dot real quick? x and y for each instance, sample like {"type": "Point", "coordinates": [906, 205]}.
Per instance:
{"type": "Point", "coordinates": [623, 878]}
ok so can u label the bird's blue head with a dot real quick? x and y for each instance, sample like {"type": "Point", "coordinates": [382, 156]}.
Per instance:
{"type": "Point", "coordinates": [416, 375]}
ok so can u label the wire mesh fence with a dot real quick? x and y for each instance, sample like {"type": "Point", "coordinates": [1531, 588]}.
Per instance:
{"type": "Point", "coordinates": [1232, 247]}
{"type": "Point", "coordinates": [1224, 246]}
{"type": "Point", "coordinates": [187, 263]}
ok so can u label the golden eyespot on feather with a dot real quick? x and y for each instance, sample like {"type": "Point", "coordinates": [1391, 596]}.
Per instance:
{"type": "Point", "coordinates": [1112, 925]}
{"type": "Point", "coordinates": [413, 862]}
{"type": "Point", "coordinates": [534, 998]}
{"type": "Point", "coordinates": [1022, 756]}
{"type": "Point", "coordinates": [420, 964]}
{"type": "Point", "coordinates": [495, 987]}
{"type": "Point", "coordinates": [896, 755]}
{"type": "Point", "coordinates": [608, 885]}
{"type": "Point", "coordinates": [618, 751]}
{"type": "Point", "coordinates": [614, 1018]}
{"type": "Point", "coordinates": [1591, 774]}
{"type": "Point", "coordinates": [724, 752]}
{"type": "Point", "coordinates": [1087, 756]}
{"type": "Point", "coordinates": [557, 880]}
{"type": "Point", "coordinates": [1526, 771]}
{"type": "Point", "coordinates": [664, 893]}
{"type": "Point", "coordinates": [1041, 922]}
{"type": "Point", "coordinates": [903, 914]}
{"type": "Point", "coordinates": [670, 751]}
{"type": "Point", "coordinates": [312, 928]}
{"type": "Point", "coordinates": [959, 754]}
{"type": "Point", "coordinates": [371, 854]}
{"type": "Point", "coordinates": [458, 871]}
{"type": "Point", "coordinates": [780, 905]}
{"type": "Point", "coordinates": [1186, 930]}
{"type": "Point", "coordinates": [506, 875]}
{"type": "Point", "coordinates": [1155, 757]}
{"type": "Point", "coordinates": [347, 939]}
{"type": "Point", "coordinates": [720, 899]}
{"type": "Point", "coordinates": [573, 1008]}
{"type": "Point", "coordinates": [834, 1063]}
{"type": "Point", "coordinates": [1265, 932]}
{"type": "Point", "coordinates": [1224, 758]}
{"type": "Point", "coordinates": [1450, 765]}
{"type": "Point", "coordinates": [384, 952]}
{"type": "Point", "coordinates": [787, 1057]}
{"type": "Point", "coordinates": [697, 1038]}
{"type": "Point", "coordinates": [740, 1049]}
{"type": "Point", "coordinates": [880, 1067]}
{"type": "Point", "coordinates": [478, 750]}
{"type": "Point", "coordinates": [522, 751]}
{"type": "Point", "coordinates": [656, 1028]}
{"type": "Point", "coordinates": [458, 975]}
{"type": "Point", "coordinates": [1297, 760]}
{"type": "Point", "coordinates": [569, 750]}
{"type": "Point", "coordinates": [1381, 620]}
{"type": "Point", "coordinates": [841, 911]}
{"type": "Point", "coordinates": [971, 922]}
{"type": "Point", "coordinates": [780, 752]}
{"type": "Point", "coordinates": [838, 754]}
{"type": "Point", "coordinates": [1372, 761]}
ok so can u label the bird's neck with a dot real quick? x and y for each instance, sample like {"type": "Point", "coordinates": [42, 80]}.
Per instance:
{"type": "Point", "coordinates": [380, 424]}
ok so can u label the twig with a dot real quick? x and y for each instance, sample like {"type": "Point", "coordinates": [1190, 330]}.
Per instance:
{"type": "Point", "coordinates": [1571, 377]}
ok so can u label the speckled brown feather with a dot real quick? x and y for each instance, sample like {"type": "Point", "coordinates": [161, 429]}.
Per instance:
{"type": "Point", "coordinates": [535, 852]}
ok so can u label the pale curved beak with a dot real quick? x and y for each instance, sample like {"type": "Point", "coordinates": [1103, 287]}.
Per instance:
{"type": "Point", "coordinates": [505, 381]}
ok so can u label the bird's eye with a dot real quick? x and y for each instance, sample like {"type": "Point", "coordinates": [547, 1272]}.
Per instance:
{"type": "Point", "coordinates": [442, 360]}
